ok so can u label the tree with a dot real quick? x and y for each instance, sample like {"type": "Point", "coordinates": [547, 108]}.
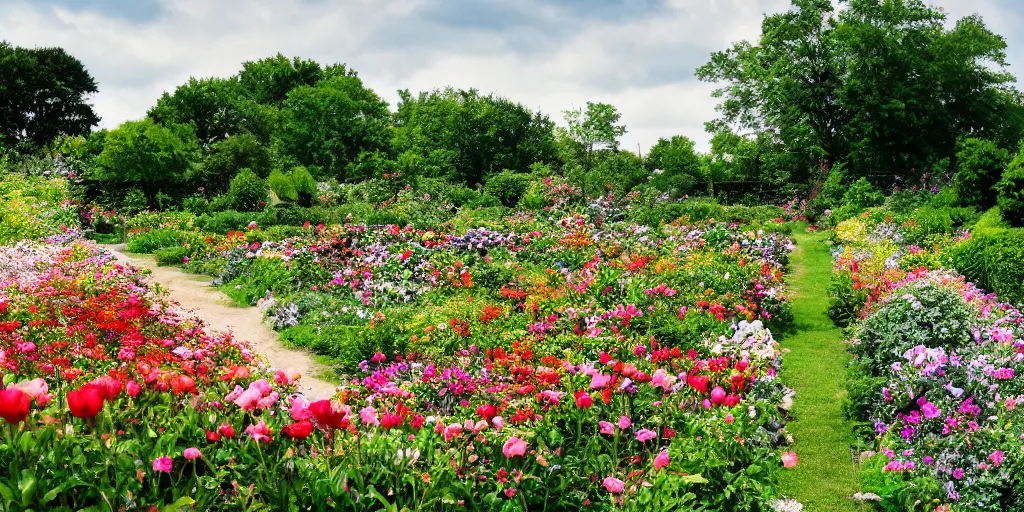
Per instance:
{"type": "Point", "coordinates": [979, 163]}
{"type": "Point", "coordinates": [466, 137]}
{"type": "Point", "coordinates": [145, 155]}
{"type": "Point", "coordinates": [674, 165]}
{"type": "Point", "coordinates": [593, 129]}
{"type": "Point", "coordinates": [882, 85]}
{"type": "Point", "coordinates": [225, 158]}
{"type": "Point", "coordinates": [336, 125]}
{"type": "Point", "coordinates": [268, 81]}
{"type": "Point", "coordinates": [217, 108]}
{"type": "Point", "coordinates": [43, 93]}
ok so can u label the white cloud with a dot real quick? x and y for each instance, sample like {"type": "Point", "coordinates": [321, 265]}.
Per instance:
{"type": "Point", "coordinates": [551, 56]}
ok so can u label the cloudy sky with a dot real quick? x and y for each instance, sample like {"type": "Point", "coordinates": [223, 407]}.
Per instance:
{"type": "Point", "coordinates": [638, 55]}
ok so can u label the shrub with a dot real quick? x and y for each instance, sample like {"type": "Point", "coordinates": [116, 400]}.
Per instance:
{"type": "Point", "coordinates": [923, 314]}
{"type": "Point", "coordinates": [979, 164]}
{"type": "Point", "coordinates": [283, 186]}
{"type": "Point", "coordinates": [247, 191]}
{"type": "Point", "coordinates": [305, 185]}
{"type": "Point", "coordinates": [993, 259]}
{"type": "Point", "coordinates": [196, 205]}
{"type": "Point", "coordinates": [171, 255]}
{"type": "Point", "coordinates": [845, 302]}
{"type": "Point", "coordinates": [222, 222]}
{"type": "Point", "coordinates": [862, 194]}
{"type": "Point", "coordinates": [1011, 192]}
{"type": "Point", "coordinates": [508, 186]}
{"type": "Point", "coordinates": [149, 241]}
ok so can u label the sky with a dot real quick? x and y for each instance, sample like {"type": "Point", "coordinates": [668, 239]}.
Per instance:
{"type": "Point", "coordinates": [551, 55]}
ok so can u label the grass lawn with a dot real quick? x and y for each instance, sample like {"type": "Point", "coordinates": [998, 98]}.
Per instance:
{"type": "Point", "coordinates": [816, 368]}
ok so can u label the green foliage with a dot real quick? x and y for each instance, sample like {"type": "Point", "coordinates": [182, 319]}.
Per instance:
{"type": "Point", "coordinates": [674, 165]}
{"type": "Point", "coordinates": [845, 303]}
{"type": "Point", "coordinates": [465, 137]}
{"type": "Point", "coordinates": [305, 185]}
{"type": "Point", "coordinates": [862, 194]}
{"type": "Point", "coordinates": [1011, 192]}
{"type": "Point", "coordinates": [979, 165]}
{"type": "Point", "coordinates": [145, 155]}
{"type": "Point", "coordinates": [171, 255]}
{"type": "Point", "coordinates": [247, 191]}
{"type": "Point", "coordinates": [335, 124]}
{"type": "Point", "coordinates": [922, 315]}
{"type": "Point", "coordinates": [150, 241]}
{"type": "Point", "coordinates": [507, 186]}
{"type": "Point", "coordinates": [591, 129]}
{"type": "Point", "coordinates": [228, 156]}
{"type": "Point", "coordinates": [884, 86]}
{"type": "Point", "coordinates": [283, 186]}
{"type": "Point", "coordinates": [991, 258]}
{"type": "Point", "coordinates": [43, 93]}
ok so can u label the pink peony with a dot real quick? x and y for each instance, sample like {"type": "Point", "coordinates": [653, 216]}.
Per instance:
{"type": "Point", "coordinates": [35, 388]}
{"type": "Point", "coordinates": [717, 396]}
{"type": "Point", "coordinates": [368, 415]}
{"type": "Point", "coordinates": [260, 432]}
{"type": "Point", "coordinates": [606, 428]}
{"type": "Point", "coordinates": [514, 447]}
{"type": "Point", "coordinates": [661, 460]}
{"type": "Point", "coordinates": [643, 435]}
{"type": "Point", "coordinates": [599, 380]}
{"type": "Point", "coordinates": [584, 400]}
{"type": "Point", "coordinates": [193, 453]}
{"type": "Point", "coordinates": [452, 431]}
{"type": "Point", "coordinates": [789, 459]}
{"type": "Point", "coordinates": [614, 485]}
{"type": "Point", "coordinates": [996, 457]}
{"type": "Point", "coordinates": [162, 464]}
{"type": "Point", "coordinates": [624, 422]}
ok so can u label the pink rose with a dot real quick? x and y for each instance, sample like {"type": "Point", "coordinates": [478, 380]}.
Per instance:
{"type": "Point", "coordinates": [514, 447]}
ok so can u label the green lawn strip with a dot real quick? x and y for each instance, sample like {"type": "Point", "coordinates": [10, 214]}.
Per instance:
{"type": "Point", "coordinates": [816, 368]}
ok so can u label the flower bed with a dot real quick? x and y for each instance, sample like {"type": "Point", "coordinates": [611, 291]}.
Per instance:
{"type": "Point", "coordinates": [559, 364]}
{"type": "Point", "coordinates": [937, 375]}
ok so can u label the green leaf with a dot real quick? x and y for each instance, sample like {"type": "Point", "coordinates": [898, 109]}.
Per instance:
{"type": "Point", "coordinates": [27, 486]}
{"type": "Point", "coordinates": [183, 501]}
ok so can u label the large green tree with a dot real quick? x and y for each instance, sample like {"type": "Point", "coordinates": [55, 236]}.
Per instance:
{"type": "Point", "coordinates": [592, 129]}
{"type": "Point", "coordinates": [465, 136]}
{"type": "Point", "coordinates": [337, 125]}
{"type": "Point", "coordinates": [882, 85]}
{"type": "Point", "coordinates": [145, 155]}
{"type": "Point", "coordinates": [218, 108]}
{"type": "Point", "coordinates": [43, 93]}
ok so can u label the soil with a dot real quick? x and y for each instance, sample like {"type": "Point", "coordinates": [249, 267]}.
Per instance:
{"type": "Point", "coordinates": [196, 295]}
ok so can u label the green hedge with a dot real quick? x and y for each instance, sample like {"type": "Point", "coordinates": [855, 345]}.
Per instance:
{"type": "Point", "coordinates": [994, 259]}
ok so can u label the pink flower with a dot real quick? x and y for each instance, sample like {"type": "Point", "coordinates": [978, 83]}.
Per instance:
{"type": "Point", "coordinates": [599, 380]}
{"type": "Point", "coordinates": [368, 415]}
{"type": "Point", "coordinates": [299, 408]}
{"type": "Point", "coordinates": [286, 377]}
{"type": "Point", "coordinates": [248, 399]}
{"type": "Point", "coordinates": [262, 386]}
{"type": "Point", "coordinates": [260, 432]}
{"type": "Point", "coordinates": [662, 379]}
{"type": "Point", "coordinates": [510, 492]}
{"type": "Point", "coordinates": [789, 459]}
{"type": "Point", "coordinates": [193, 453]}
{"type": "Point", "coordinates": [624, 422]}
{"type": "Point", "coordinates": [729, 418]}
{"type": "Point", "coordinates": [35, 388]}
{"type": "Point", "coordinates": [661, 460]}
{"type": "Point", "coordinates": [452, 431]}
{"type": "Point", "coordinates": [682, 312]}
{"type": "Point", "coordinates": [614, 485]}
{"type": "Point", "coordinates": [996, 457]}
{"type": "Point", "coordinates": [162, 464]}
{"type": "Point", "coordinates": [606, 428]}
{"type": "Point", "coordinates": [643, 435]}
{"type": "Point", "coordinates": [498, 422]}
{"type": "Point", "coordinates": [717, 396]}
{"type": "Point", "coordinates": [514, 447]}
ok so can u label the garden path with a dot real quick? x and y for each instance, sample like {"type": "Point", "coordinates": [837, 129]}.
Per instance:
{"type": "Point", "coordinates": [825, 478]}
{"type": "Point", "coordinates": [245, 323]}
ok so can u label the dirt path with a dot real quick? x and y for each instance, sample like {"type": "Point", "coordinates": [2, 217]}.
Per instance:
{"type": "Point", "coordinates": [220, 314]}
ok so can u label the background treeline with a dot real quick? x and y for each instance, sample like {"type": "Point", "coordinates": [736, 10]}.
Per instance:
{"type": "Point", "coordinates": [837, 106]}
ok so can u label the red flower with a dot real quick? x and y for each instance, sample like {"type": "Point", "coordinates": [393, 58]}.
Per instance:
{"type": "Point", "coordinates": [227, 431]}
{"type": "Point", "coordinates": [486, 411]}
{"type": "Point", "coordinates": [212, 436]}
{"type": "Point", "coordinates": [326, 416]}
{"type": "Point", "coordinates": [182, 384]}
{"type": "Point", "coordinates": [584, 400]}
{"type": "Point", "coordinates": [87, 401]}
{"type": "Point", "coordinates": [14, 405]}
{"type": "Point", "coordinates": [298, 430]}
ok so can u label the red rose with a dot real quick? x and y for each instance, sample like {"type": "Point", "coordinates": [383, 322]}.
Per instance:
{"type": "Point", "coordinates": [87, 401]}
{"type": "Point", "coordinates": [14, 405]}
{"type": "Point", "coordinates": [298, 430]}
{"type": "Point", "coordinates": [182, 384]}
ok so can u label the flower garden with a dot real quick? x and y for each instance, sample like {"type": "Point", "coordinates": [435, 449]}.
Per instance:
{"type": "Point", "coordinates": [544, 360]}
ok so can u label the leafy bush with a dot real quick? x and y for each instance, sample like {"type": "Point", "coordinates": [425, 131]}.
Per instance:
{"type": "Point", "coordinates": [993, 259]}
{"type": "Point", "coordinates": [247, 191]}
{"type": "Point", "coordinates": [282, 185]}
{"type": "Point", "coordinates": [979, 165]}
{"type": "Point", "coordinates": [149, 241]}
{"type": "Point", "coordinates": [508, 186]}
{"type": "Point", "coordinates": [222, 222]}
{"type": "Point", "coordinates": [171, 255]}
{"type": "Point", "coordinates": [1011, 192]}
{"type": "Point", "coordinates": [862, 194]}
{"type": "Point", "coordinates": [925, 314]}
{"type": "Point", "coordinates": [197, 205]}
{"type": "Point", "coordinates": [305, 185]}
{"type": "Point", "coordinates": [845, 301]}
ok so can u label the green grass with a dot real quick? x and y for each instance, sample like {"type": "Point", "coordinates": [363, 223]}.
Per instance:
{"type": "Point", "coordinates": [816, 368]}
